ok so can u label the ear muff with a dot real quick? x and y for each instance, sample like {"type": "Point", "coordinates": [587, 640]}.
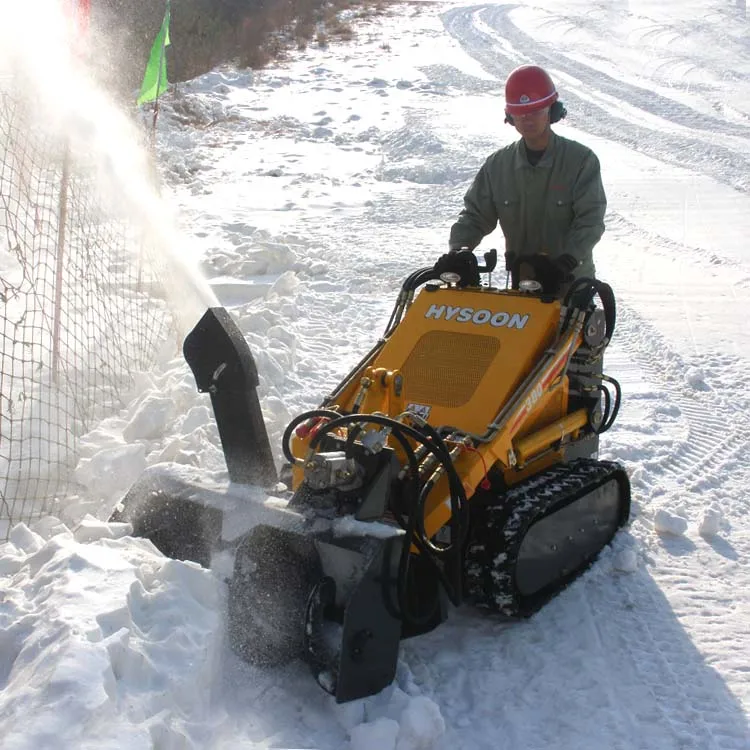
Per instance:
{"type": "Point", "coordinates": [557, 112]}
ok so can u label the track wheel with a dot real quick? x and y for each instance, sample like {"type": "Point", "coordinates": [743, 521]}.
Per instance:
{"type": "Point", "coordinates": [274, 576]}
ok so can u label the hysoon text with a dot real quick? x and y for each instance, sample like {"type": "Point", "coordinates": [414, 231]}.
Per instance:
{"type": "Point", "coordinates": [477, 317]}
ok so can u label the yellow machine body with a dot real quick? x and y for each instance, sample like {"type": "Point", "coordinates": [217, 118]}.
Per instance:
{"type": "Point", "coordinates": [488, 362]}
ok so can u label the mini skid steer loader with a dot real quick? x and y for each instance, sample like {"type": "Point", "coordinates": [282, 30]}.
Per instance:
{"type": "Point", "coordinates": [441, 470]}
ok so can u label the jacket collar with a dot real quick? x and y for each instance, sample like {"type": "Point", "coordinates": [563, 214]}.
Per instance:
{"type": "Point", "coordinates": [521, 160]}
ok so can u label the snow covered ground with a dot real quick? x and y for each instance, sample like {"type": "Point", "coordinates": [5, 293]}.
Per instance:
{"type": "Point", "coordinates": [308, 191]}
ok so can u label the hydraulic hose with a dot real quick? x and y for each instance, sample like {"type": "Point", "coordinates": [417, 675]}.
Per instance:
{"type": "Point", "coordinates": [414, 527]}
{"type": "Point", "coordinates": [616, 405]}
{"type": "Point", "coordinates": [607, 408]}
{"type": "Point", "coordinates": [606, 295]}
{"type": "Point", "coordinates": [298, 420]}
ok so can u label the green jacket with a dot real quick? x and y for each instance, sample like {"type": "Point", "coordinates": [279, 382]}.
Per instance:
{"type": "Point", "coordinates": [555, 207]}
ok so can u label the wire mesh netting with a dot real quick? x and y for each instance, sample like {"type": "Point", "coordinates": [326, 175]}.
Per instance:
{"type": "Point", "coordinates": [79, 313]}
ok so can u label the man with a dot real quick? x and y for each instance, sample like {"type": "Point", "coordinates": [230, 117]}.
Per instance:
{"type": "Point", "coordinates": [544, 190]}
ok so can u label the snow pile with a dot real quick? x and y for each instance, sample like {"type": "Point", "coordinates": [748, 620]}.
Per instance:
{"type": "Point", "coordinates": [712, 521]}
{"type": "Point", "coordinates": [669, 523]}
{"type": "Point", "coordinates": [167, 421]}
{"type": "Point", "coordinates": [626, 560]}
{"type": "Point", "coordinates": [380, 734]}
{"type": "Point", "coordinates": [104, 642]}
{"type": "Point", "coordinates": [395, 720]}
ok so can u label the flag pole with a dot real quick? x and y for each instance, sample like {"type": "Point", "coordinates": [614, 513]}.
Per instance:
{"type": "Point", "coordinates": [162, 53]}
{"type": "Point", "coordinates": [155, 80]}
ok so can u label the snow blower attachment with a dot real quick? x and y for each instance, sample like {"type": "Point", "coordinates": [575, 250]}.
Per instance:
{"type": "Point", "coordinates": [446, 467]}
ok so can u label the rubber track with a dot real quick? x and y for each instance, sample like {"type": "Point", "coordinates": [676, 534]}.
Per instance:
{"type": "Point", "coordinates": [498, 531]}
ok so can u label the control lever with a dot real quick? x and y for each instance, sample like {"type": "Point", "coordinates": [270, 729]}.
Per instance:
{"type": "Point", "coordinates": [490, 261]}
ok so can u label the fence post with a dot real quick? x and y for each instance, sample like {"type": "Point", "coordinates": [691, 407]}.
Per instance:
{"type": "Point", "coordinates": [62, 212]}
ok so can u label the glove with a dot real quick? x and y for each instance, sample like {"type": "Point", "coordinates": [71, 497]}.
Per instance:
{"type": "Point", "coordinates": [566, 263]}
{"type": "Point", "coordinates": [461, 262]}
{"type": "Point", "coordinates": [551, 273]}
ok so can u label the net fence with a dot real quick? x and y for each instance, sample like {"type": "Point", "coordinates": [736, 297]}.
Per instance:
{"type": "Point", "coordinates": [81, 313]}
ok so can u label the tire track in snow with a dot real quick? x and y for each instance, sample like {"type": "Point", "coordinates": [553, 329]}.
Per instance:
{"type": "Point", "coordinates": [619, 647]}
{"type": "Point", "coordinates": [619, 225]}
{"type": "Point", "coordinates": [709, 447]}
{"type": "Point", "coordinates": [644, 644]}
{"type": "Point", "coordinates": [645, 666]}
{"type": "Point", "coordinates": [493, 23]}
{"type": "Point", "coordinates": [666, 625]}
{"type": "Point", "coordinates": [488, 34]}
{"type": "Point", "coordinates": [626, 723]}
{"type": "Point", "coordinates": [718, 427]}
{"type": "Point", "coordinates": [512, 669]}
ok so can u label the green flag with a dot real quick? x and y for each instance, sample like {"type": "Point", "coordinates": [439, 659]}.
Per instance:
{"type": "Point", "coordinates": [155, 81]}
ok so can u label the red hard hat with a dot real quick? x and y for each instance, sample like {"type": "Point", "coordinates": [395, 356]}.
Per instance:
{"type": "Point", "coordinates": [527, 89]}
